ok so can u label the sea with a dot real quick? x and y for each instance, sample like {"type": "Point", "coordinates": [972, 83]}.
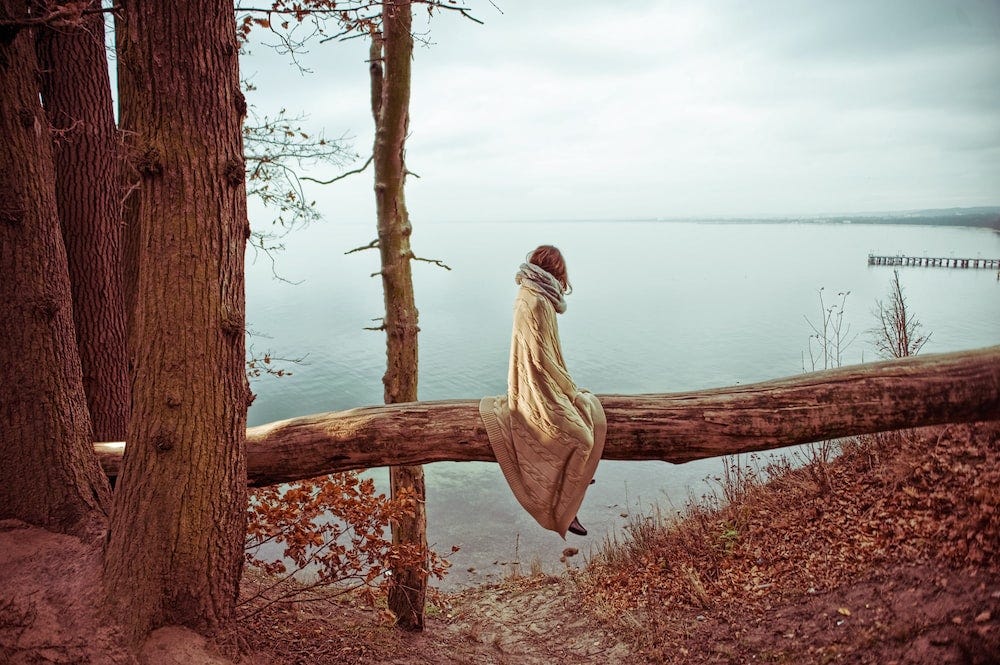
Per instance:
{"type": "Point", "coordinates": [657, 306]}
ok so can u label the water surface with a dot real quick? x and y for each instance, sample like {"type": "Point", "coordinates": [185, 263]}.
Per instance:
{"type": "Point", "coordinates": [656, 307]}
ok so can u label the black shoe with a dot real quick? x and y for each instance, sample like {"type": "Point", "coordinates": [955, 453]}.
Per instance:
{"type": "Point", "coordinates": [577, 528]}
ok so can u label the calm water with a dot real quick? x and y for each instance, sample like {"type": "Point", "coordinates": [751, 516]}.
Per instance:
{"type": "Point", "coordinates": [657, 307]}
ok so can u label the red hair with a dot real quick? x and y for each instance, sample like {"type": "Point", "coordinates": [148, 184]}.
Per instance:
{"type": "Point", "coordinates": [551, 260]}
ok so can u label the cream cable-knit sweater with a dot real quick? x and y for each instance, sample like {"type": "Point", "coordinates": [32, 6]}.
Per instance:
{"type": "Point", "coordinates": [547, 434]}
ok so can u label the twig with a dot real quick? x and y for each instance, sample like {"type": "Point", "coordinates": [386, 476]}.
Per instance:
{"type": "Point", "coordinates": [437, 262]}
{"type": "Point", "coordinates": [344, 35]}
{"type": "Point", "coordinates": [281, 580]}
{"type": "Point", "coordinates": [372, 245]}
{"type": "Point", "coordinates": [59, 134]}
{"type": "Point", "coordinates": [342, 175]}
{"type": "Point", "coordinates": [258, 243]}
{"type": "Point", "coordinates": [466, 14]}
{"type": "Point", "coordinates": [294, 595]}
{"type": "Point", "coordinates": [68, 15]}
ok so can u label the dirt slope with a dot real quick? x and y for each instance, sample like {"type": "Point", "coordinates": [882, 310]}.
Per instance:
{"type": "Point", "coordinates": [890, 554]}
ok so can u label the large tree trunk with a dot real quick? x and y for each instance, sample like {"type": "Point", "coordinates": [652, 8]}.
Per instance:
{"type": "Point", "coordinates": [77, 96]}
{"type": "Point", "coordinates": [175, 551]}
{"type": "Point", "coordinates": [673, 427]}
{"type": "Point", "coordinates": [391, 107]}
{"type": "Point", "coordinates": [49, 475]}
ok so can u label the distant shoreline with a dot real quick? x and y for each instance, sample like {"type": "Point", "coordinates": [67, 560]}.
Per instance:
{"type": "Point", "coordinates": [979, 217]}
{"type": "Point", "coordinates": [966, 217]}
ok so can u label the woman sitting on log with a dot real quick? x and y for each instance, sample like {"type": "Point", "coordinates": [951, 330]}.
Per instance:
{"type": "Point", "coordinates": [547, 434]}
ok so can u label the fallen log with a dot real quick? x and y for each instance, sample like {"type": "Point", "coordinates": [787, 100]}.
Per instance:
{"type": "Point", "coordinates": [673, 427]}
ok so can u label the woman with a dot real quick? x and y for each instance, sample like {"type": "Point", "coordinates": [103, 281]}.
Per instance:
{"type": "Point", "coordinates": [547, 434]}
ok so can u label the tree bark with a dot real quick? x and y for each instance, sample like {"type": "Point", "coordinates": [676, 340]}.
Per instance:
{"type": "Point", "coordinates": [673, 427]}
{"type": "Point", "coordinates": [175, 550]}
{"type": "Point", "coordinates": [390, 108]}
{"type": "Point", "coordinates": [49, 475]}
{"type": "Point", "coordinates": [129, 76]}
{"type": "Point", "coordinates": [76, 93]}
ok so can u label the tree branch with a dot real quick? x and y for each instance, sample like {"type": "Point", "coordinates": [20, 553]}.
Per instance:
{"type": "Point", "coordinates": [62, 16]}
{"type": "Point", "coordinates": [437, 262]}
{"type": "Point", "coordinates": [372, 245]}
{"type": "Point", "coordinates": [341, 176]}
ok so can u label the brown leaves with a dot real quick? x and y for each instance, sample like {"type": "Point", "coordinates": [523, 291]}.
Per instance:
{"type": "Point", "coordinates": [285, 15]}
{"type": "Point", "coordinates": [929, 495]}
{"type": "Point", "coordinates": [334, 528]}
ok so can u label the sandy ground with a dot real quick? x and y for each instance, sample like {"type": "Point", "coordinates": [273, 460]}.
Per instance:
{"type": "Point", "coordinates": [49, 595]}
{"type": "Point", "coordinates": [532, 620]}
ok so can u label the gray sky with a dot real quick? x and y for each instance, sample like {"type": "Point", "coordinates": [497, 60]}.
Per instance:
{"type": "Point", "coordinates": [607, 110]}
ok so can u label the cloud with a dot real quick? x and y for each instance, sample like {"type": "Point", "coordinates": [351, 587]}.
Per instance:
{"type": "Point", "coordinates": [648, 109]}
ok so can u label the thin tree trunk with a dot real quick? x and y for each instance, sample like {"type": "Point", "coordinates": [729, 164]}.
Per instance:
{"type": "Point", "coordinates": [129, 77]}
{"type": "Point", "coordinates": [77, 96]}
{"type": "Point", "coordinates": [390, 107]}
{"type": "Point", "coordinates": [49, 475]}
{"type": "Point", "coordinates": [175, 551]}
{"type": "Point", "coordinates": [922, 390]}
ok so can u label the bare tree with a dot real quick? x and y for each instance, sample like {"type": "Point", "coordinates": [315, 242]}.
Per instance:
{"type": "Point", "coordinates": [391, 53]}
{"type": "Point", "coordinates": [389, 24]}
{"type": "Point", "coordinates": [831, 335]}
{"type": "Point", "coordinates": [897, 334]}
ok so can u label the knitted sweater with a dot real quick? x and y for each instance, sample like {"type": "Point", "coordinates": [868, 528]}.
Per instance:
{"type": "Point", "coordinates": [547, 434]}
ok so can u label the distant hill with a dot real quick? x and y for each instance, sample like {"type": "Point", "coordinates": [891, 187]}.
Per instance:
{"type": "Point", "coordinates": [983, 217]}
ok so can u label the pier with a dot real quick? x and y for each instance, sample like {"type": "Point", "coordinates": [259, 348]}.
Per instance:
{"type": "Point", "coordinates": [931, 261]}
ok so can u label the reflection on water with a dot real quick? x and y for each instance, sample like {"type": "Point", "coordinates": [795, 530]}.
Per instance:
{"type": "Point", "coordinates": [657, 307]}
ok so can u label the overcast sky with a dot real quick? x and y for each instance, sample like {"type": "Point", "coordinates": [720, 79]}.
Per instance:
{"type": "Point", "coordinates": [674, 109]}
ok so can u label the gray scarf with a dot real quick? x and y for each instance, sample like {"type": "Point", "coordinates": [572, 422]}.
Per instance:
{"type": "Point", "coordinates": [543, 283]}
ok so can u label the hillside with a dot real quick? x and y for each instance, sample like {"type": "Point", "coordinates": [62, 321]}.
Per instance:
{"type": "Point", "coordinates": [890, 553]}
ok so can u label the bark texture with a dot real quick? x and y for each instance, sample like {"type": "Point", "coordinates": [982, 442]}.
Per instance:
{"type": "Point", "coordinates": [175, 551]}
{"type": "Point", "coordinates": [673, 427]}
{"type": "Point", "coordinates": [390, 108]}
{"type": "Point", "coordinates": [131, 172]}
{"type": "Point", "coordinates": [76, 93]}
{"type": "Point", "coordinates": [49, 475]}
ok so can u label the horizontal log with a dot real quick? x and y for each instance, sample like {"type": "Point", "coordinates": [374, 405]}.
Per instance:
{"type": "Point", "coordinates": [673, 427]}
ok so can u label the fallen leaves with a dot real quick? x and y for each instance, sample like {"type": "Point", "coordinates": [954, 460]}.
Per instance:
{"type": "Point", "coordinates": [920, 496]}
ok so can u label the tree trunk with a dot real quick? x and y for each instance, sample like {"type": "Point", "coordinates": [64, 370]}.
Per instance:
{"type": "Point", "coordinates": [391, 89]}
{"type": "Point", "coordinates": [175, 551]}
{"type": "Point", "coordinates": [677, 427]}
{"type": "Point", "coordinates": [77, 96]}
{"type": "Point", "coordinates": [49, 475]}
{"type": "Point", "coordinates": [129, 77]}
